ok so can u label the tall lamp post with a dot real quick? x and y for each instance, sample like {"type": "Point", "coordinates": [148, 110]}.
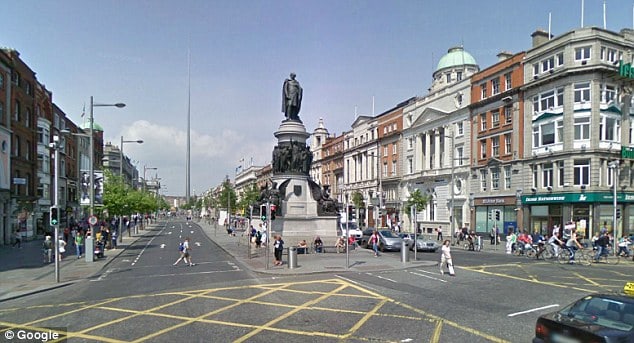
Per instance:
{"type": "Point", "coordinates": [614, 165]}
{"type": "Point", "coordinates": [92, 168]}
{"type": "Point", "coordinates": [121, 161]}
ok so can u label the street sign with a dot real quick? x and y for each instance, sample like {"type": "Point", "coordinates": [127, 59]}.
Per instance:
{"type": "Point", "coordinates": [627, 152]}
{"type": "Point", "coordinates": [92, 220]}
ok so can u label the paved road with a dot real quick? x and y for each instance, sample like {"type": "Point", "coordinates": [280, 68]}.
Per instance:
{"type": "Point", "coordinates": [141, 297]}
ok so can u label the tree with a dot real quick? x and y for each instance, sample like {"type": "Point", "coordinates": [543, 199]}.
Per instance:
{"type": "Point", "coordinates": [248, 198]}
{"type": "Point", "coordinates": [227, 195]}
{"type": "Point", "coordinates": [416, 198]}
{"type": "Point", "coordinates": [357, 201]}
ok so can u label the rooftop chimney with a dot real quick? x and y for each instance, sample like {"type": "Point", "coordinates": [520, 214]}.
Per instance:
{"type": "Point", "coordinates": [503, 55]}
{"type": "Point", "coordinates": [540, 37]}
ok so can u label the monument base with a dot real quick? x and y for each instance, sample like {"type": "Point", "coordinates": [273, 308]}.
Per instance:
{"type": "Point", "coordinates": [295, 229]}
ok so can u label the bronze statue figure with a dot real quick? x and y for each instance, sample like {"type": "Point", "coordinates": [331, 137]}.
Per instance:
{"type": "Point", "coordinates": [291, 98]}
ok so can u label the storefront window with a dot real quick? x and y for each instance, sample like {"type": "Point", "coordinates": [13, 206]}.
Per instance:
{"type": "Point", "coordinates": [581, 216]}
{"type": "Point", "coordinates": [606, 213]}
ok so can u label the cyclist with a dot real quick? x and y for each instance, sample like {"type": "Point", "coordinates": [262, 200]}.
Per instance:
{"type": "Point", "coordinates": [572, 245]}
{"type": "Point", "coordinates": [624, 241]}
{"type": "Point", "coordinates": [555, 243]}
{"type": "Point", "coordinates": [602, 246]}
{"type": "Point", "coordinates": [539, 240]}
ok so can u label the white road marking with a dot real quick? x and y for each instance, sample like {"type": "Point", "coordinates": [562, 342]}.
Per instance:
{"type": "Point", "coordinates": [406, 340]}
{"type": "Point", "coordinates": [163, 246]}
{"type": "Point", "coordinates": [145, 247]}
{"type": "Point", "coordinates": [427, 276]}
{"type": "Point", "coordinates": [358, 283]}
{"type": "Point", "coordinates": [192, 231]}
{"type": "Point", "coordinates": [197, 244]}
{"type": "Point", "coordinates": [169, 233]}
{"type": "Point", "coordinates": [533, 310]}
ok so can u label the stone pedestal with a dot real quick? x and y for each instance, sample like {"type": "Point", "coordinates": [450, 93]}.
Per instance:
{"type": "Point", "coordinates": [298, 217]}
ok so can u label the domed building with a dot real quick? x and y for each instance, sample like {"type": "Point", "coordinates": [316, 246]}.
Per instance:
{"type": "Point", "coordinates": [453, 67]}
{"type": "Point", "coordinates": [97, 141]}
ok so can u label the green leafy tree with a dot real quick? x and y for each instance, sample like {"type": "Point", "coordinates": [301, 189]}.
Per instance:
{"type": "Point", "coordinates": [115, 195]}
{"type": "Point", "coordinates": [249, 197]}
{"type": "Point", "coordinates": [227, 196]}
{"type": "Point", "coordinates": [357, 201]}
{"type": "Point", "coordinates": [416, 198]}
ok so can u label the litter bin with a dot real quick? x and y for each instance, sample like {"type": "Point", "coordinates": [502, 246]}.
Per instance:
{"type": "Point", "coordinates": [292, 257]}
{"type": "Point", "coordinates": [404, 253]}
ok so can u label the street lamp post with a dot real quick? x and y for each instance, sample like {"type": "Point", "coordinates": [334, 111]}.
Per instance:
{"type": "Point", "coordinates": [139, 141]}
{"type": "Point", "coordinates": [92, 168]}
{"type": "Point", "coordinates": [614, 165]}
{"type": "Point", "coordinates": [55, 147]}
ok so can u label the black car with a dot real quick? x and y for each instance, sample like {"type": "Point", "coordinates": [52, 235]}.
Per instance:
{"type": "Point", "coordinates": [593, 318]}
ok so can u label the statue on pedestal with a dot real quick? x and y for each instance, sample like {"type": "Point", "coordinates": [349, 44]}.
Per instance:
{"type": "Point", "coordinates": [291, 98]}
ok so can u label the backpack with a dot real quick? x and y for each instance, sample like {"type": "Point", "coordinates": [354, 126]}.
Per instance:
{"type": "Point", "coordinates": [181, 247]}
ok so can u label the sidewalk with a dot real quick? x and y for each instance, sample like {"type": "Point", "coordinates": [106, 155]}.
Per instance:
{"type": "Point", "coordinates": [359, 259]}
{"type": "Point", "coordinates": [23, 272]}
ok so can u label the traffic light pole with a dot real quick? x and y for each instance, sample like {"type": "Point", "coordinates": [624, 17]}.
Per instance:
{"type": "Point", "coordinates": [54, 146]}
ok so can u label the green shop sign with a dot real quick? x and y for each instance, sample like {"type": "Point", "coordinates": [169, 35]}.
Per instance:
{"type": "Point", "coordinates": [626, 70]}
{"type": "Point", "coordinates": [627, 152]}
{"type": "Point", "coordinates": [576, 198]}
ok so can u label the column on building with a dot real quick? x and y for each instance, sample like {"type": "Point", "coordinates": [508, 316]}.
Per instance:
{"type": "Point", "coordinates": [428, 156]}
{"type": "Point", "coordinates": [437, 149]}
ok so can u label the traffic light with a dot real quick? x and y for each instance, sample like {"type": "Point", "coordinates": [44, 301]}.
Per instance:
{"type": "Point", "coordinates": [54, 215]}
{"type": "Point", "coordinates": [491, 214]}
{"type": "Point", "coordinates": [618, 213]}
{"type": "Point", "coordinates": [263, 212]}
{"type": "Point", "coordinates": [273, 209]}
{"type": "Point", "coordinates": [497, 215]}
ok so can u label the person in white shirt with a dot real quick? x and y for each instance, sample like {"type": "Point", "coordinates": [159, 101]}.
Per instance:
{"type": "Point", "coordinates": [445, 258]}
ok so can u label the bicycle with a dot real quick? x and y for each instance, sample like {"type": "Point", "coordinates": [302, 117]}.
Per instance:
{"type": "Point", "coordinates": [607, 256]}
{"type": "Point", "coordinates": [580, 257]}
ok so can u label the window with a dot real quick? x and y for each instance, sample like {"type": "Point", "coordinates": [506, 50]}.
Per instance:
{"type": "Point", "coordinates": [560, 167]}
{"type": "Point", "coordinates": [460, 155]}
{"type": "Point", "coordinates": [410, 165]}
{"type": "Point", "coordinates": [610, 128]}
{"type": "Point", "coordinates": [582, 128]}
{"type": "Point", "coordinates": [483, 91]}
{"type": "Point", "coordinates": [483, 180]}
{"type": "Point", "coordinates": [495, 118]}
{"type": "Point", "coordinates": [582, 53]}
{"type": "Point", "coordinates": [495, 146]}
{"type": "Point", "coordinates": [610, 176]}
{"type": "Point", "coordinates": [16, 146]}
{"type": "Point", "coordinates": [1, 80]}
{"type": "Point", "coordinates": [410, 143]}
{"type": "Point", "coordinates": [495, 178]}
{"type": "Point", "coordinates": [460, 128]}
{"type": "Point", "coordinates": [1, 113]}
{"type": "Point", "coordinates": [16, 115]}
{"type": "Point", "coordinates": [495, 86]}
{"type": "Point", "coordinates": [548, 64]}
{"type": "Point", "coordinates": [508, 81]}
{"type": "Point", "coordinates": [508, 140]}
{"type": "Point", "coordinates": [560, 59]}
{"type": "Point", "coordinates": [536, 69]}
{"type": "Point", "coordinates": [609, 54]}
{"type": "Point", "coordinates": [385, 151]}
{"type": "Point", "coordinates": [548, 100]}
{"type": "Point", "coordinates": [27, 151]}
{"type": "Point", "coordinates": [608, 93]}
{"type": "Point", "coordinates": [534, 170]}
{"type": "Point", "coordinates": [394, 164]}
{"type": "Point", "coordinates": [548, 133]}
{"type": "Point", "coordinates": [582, 172]}
{"type": "Point", "coordinates": [582, 92]}
{"type": "Point", "coordinates": [547, 175]}
{"type": "Point", "coordinates": [458, 75]}
{"type": "Point", "coordinates": [448, 76]}
{"type": "Point", "coordinates": [394, 149]}
{"type": "Point", "coordinates": [508, 114]}
{"type": "Point", "coordinates": [384, 169]}
{"type": "Point", "coordinates": [507, 177]}
{"type": "Point", "coordinates": [483, 149]}
{"type": "Point", "coordinates": [483, 122]}
{"type": "Point", "coordinates": [27, 121]}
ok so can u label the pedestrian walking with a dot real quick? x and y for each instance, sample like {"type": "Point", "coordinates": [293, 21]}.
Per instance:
{"type": "Point", "coordinates": [79, 243]}
{"type": "Point", "coordinates": [114, 235]}
{"type": "Point", "coordinates": [278, 244]}
{"type": "Point", "coordinates": [439, 231]}
{"type": "Point", "coordinates": [47, 250]}
{"type": "Point", "coordinates": [185, 254]}
{"type": "Point", "coordinates": [16, 238]}
{"type": "Point", "coordinates": [374, 240]}
{"type": "Point", "coordinates": [61, 248]}
{"type": "Point", "coordinates": [445, 258]}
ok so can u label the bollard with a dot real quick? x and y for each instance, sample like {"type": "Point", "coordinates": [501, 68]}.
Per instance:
{"type": "Point", "coordinates": [89, 253]}
{"type": "Point", "coordinates": [404, 253]}
{"type": "Point", "coordinates": [292, 257]}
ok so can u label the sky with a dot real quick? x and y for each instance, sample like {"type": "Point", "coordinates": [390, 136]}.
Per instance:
{"type": "Point", "coordinates": [351, 57]}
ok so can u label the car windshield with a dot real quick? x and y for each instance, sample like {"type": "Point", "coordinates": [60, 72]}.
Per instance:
{"type": "Point", "coordinates": [604, 311]}
{"type": "Point", "coordinates": [388, 234]}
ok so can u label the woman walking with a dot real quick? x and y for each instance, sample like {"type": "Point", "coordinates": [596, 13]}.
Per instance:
{"type": "Point", "coordinates": [279, 247]}
{"type": "Point", "coordinates": [374, 240]}
{"type": "Point", "coordinates": [445, 258]}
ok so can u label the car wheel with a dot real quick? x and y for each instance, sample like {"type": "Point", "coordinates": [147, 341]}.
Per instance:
{"type": "Point", "coordinates": [382, 247]}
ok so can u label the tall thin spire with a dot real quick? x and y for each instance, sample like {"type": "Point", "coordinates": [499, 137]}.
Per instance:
{"type": "Point", "coordinates": [188, 164]}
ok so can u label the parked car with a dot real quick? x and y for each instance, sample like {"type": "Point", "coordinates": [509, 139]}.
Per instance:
{"type": "Point", "coordinates": [593, 318]}
{"type": "Point", "coordinates": [353, 228]}
{"type": "Point", "coordinates": [426, 244]}
{"type": "Point", "coordinates": [388, 240]}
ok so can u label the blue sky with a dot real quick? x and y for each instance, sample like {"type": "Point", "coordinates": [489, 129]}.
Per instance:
{"type": "Point", "coordinates": [343, 52]}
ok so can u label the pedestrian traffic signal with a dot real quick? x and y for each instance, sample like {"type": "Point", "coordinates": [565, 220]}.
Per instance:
{"type": "Point", "coordinates": [263, 212]}
{"type": "Point", "coordinates": [497, 215]}
{"type": "Point", "coordinates": [273, 210]}
{"type": "Point", "coordinates": [54, 213]}
{"type": "Point", "coordinates": [618, 213]}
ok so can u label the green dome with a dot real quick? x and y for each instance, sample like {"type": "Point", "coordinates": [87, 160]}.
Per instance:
{"type": "Point", "coordinates": [95, 126]}
{"type": "Point", "coordinates": [456, 56]}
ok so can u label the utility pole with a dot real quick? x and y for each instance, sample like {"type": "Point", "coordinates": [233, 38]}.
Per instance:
{"type": "Point", "coordinates": [55, 147]}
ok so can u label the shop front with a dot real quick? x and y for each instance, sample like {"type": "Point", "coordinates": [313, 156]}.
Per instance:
{"type": "Point", "coordinates": [588, 211]}
{"type": "Point", "coordinates": [495, 212]}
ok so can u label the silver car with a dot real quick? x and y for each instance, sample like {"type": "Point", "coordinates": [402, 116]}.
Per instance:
{"type": "Point", "coordinates": [388, 240]}
{"type": "Point", "coordinates": [425, 244]}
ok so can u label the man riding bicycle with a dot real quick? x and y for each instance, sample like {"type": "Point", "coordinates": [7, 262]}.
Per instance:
{"type": "Point", "coordinates": [602, 244]}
